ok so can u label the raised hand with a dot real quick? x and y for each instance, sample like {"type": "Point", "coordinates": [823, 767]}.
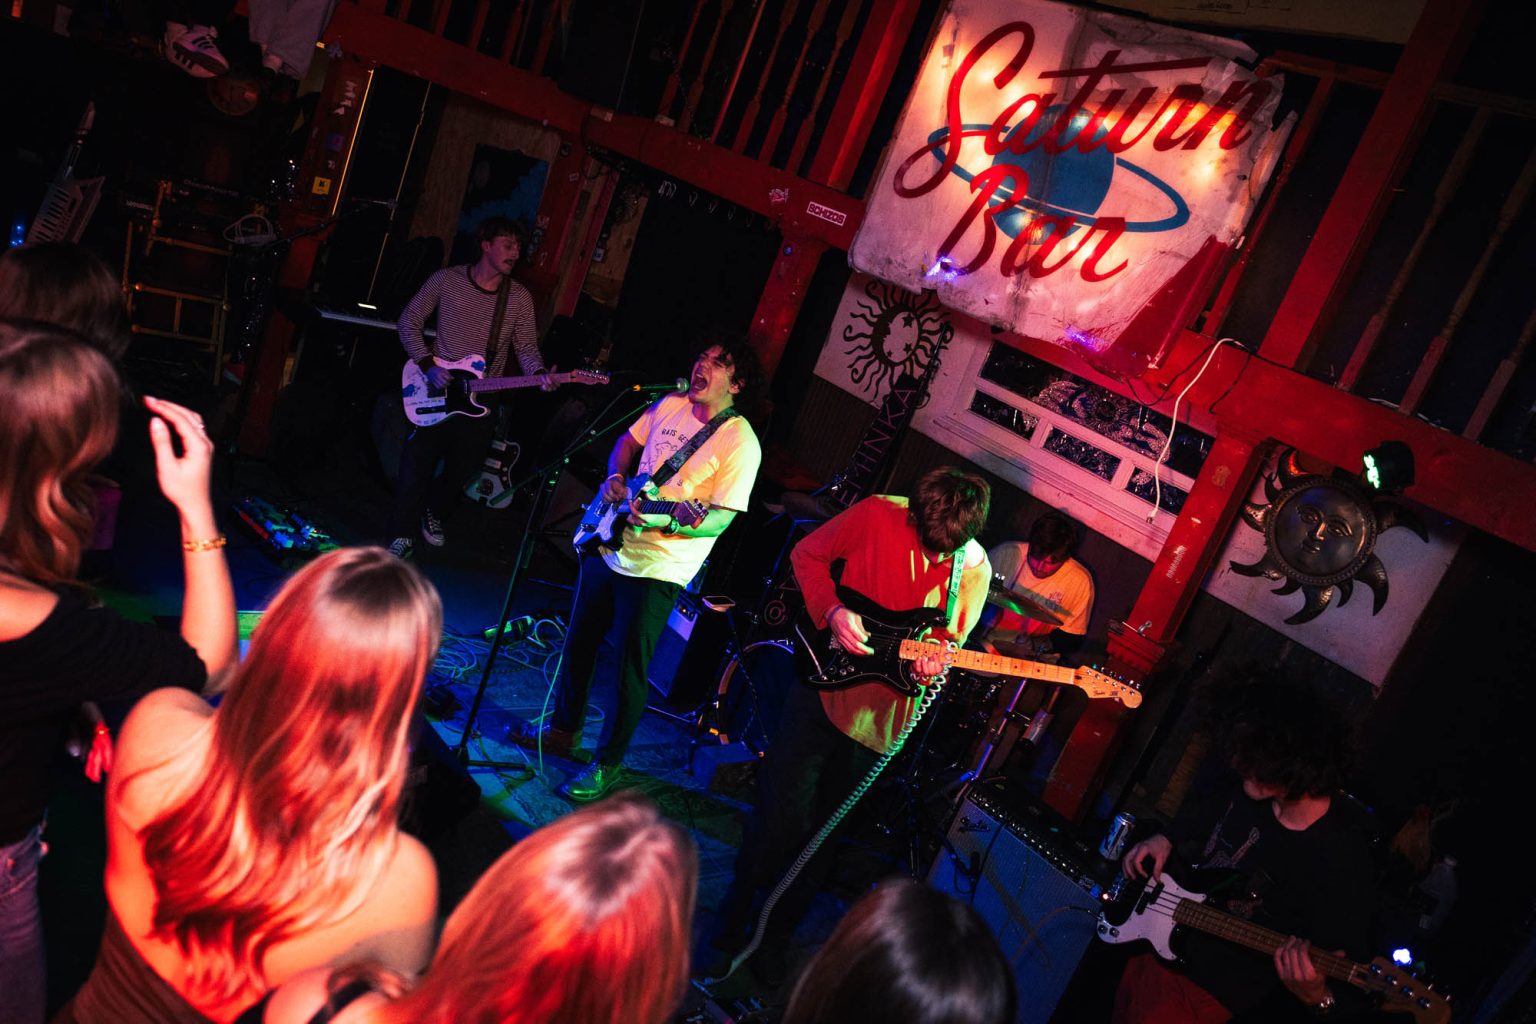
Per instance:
{"type": "Point", "coordinates": [183, 478]}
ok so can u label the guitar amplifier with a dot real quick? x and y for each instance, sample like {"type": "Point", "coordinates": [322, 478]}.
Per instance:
{"type": "Point", "coordinates": [1033, 885]}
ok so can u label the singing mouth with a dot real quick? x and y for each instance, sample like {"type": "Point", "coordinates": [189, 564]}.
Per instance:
{"type": "Point", "coordinates": [699, 383]}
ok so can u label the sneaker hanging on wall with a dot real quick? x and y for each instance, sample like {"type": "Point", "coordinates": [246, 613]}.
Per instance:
{"type": "Point", "coordinates": [192, 49]}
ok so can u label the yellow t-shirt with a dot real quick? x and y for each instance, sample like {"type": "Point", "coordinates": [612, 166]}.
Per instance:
{"type": "Point", "coordinates": [1068, 592]}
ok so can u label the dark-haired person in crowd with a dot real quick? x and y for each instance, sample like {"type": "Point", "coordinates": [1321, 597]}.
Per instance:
{"type": "Point", "coordinates": [908, 953]}
{"type": "Point", "coordinates": [249, 843]}
{"type": "Point", "coordinates": [627, 593]}
{"type": "Point", "coordinates": [58, 647]}
{"type": "Point", "coordinates": [1041, 571]}
{"type": "Point", "coordinates": [1294, 840]}
{"type": "Point", "coordinates": [65, 284]}
{"type": "Point", "coordinates": [584, 922]}
{"type": "Point", "coordinates": [901, 555]}
{"type": "Point", "coordinates": [481, 311]}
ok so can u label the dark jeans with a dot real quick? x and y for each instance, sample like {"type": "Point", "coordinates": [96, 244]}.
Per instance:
{"type": "Point", "coordinates": [809, 772]}
{"type": "Point", "coordinates": [631, 612]}
{"type": "Point", "coordinates": [460, 442]}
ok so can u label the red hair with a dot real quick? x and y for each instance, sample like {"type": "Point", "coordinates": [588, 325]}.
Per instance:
{"type": "Point", "coordinates": [586, 921]}
{"type": "Point", "coordinates": [295, 817]}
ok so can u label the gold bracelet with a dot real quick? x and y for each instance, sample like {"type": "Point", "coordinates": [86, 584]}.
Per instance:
{"type": "Point", "coordinates": [205, 545]}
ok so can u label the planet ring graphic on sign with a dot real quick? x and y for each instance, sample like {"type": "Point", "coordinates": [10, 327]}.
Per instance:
{"type": "Point", "coordinates": [1067, 184]}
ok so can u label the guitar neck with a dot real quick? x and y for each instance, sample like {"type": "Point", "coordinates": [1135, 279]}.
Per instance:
{"type": "Point", "coordinates": [657, 507]}
{"type": "Point", "coordinates": [981, 661]}
{"type": "Point", "coordinates": [1197, 915]}
{"type": "Point", "coordinates": [508, 383]}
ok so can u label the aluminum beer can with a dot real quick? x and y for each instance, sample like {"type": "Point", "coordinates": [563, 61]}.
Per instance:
{"type": "Point", "coordinates": [1115, 839]}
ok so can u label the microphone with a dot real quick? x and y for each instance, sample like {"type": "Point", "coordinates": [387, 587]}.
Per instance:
{"type": "Point", "coordinates": [679, 385]}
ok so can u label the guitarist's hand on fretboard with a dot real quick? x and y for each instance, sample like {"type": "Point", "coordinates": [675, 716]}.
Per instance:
{"type": "Point", "coordinates": [1298, 974]}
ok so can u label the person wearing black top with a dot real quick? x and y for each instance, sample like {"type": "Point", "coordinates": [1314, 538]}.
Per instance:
{"type": "Point", "coordinates": [1294, 844]}
{"type": "Point", "coordinates": [58, 421]}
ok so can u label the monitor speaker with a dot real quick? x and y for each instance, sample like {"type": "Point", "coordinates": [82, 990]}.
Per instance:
{"type": "Point", "coordinates": [1032, 886]}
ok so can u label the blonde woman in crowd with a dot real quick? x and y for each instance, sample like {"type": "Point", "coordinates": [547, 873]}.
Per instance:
{"type": "Point", "coordinates": [256, 841]}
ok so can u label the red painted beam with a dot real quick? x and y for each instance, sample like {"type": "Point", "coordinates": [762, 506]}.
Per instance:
{"type": "Point", "coordinates": [398, 45]}
{"type": "Point", "coordinates": [1481, 487]}
{"type": "Point", "coordinates": [746, 182]}
{"type": "Point", "coordinates": [863, 90]}
{"type": "Point", "coordinates": [1349, 225]}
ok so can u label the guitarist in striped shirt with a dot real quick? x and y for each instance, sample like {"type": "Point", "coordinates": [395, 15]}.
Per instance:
{"type": "Point", "coordinates": [480, 311]}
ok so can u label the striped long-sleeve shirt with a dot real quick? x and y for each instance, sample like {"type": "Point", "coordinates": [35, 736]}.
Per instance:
{"type": "Point", "coordinates": [464, 315]}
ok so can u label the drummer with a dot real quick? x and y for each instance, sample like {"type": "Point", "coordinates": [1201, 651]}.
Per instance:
{"type": "Point", "coordinates": [1042, 597]}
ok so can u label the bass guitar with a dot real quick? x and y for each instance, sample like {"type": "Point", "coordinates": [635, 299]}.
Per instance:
{"type": "Point", "coordinates": [426, 405]}
{"type": "Point", "coordinates": [1158, 909]}
{"type": "Point", "coordinates": [603, 522]}
{"type": "Point", "coordinates": [896, 640]}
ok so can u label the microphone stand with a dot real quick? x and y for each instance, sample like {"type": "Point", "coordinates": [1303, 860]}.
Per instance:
{"type": "Point", "coordinates": [546, 477]}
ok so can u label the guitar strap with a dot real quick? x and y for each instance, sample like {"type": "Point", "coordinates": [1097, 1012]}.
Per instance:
{"type": "Point", "coordinates": [955, 572]}
{"type": "Point", "coordinates": [669, 469]}
{"type": "Point", "coordinates": [493, 343]}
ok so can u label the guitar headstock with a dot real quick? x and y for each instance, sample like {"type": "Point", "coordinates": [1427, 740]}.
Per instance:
{"type": "Point", "coordinates": [589, 377]}
{"type": "Point", "coordinates": [690, 513]}
{"type": "Point", "coordinates": [1401, 991]}
{"type": "Point", "coordinates": [1102, 684]}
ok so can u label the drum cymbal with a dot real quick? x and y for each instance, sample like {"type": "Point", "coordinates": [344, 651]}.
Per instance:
{"type": "Point", "coordinates": [1022, 603]}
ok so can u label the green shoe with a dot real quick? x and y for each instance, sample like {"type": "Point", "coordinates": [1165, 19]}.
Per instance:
{"type": "Point", "coordinates": [593, 783]}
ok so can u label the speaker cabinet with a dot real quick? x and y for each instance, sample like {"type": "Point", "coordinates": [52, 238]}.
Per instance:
{"type": "Point", "coordinates": [1032, 885]}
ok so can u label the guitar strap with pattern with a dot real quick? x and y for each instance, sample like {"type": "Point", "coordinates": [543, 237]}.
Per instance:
{"type": "Point", "coordinates": [669, 469]}
{"type": "Point", "coordinates": [955, 572]}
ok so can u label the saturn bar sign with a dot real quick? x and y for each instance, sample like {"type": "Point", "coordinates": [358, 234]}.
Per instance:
{"type": "Point", "coordinates": [1056, 169]}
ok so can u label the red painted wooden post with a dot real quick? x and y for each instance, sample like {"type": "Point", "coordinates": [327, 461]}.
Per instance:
{"type": "Point", "coordinates": [783, 294]}
{"type": "Point", "coordinates": [1138, 650]}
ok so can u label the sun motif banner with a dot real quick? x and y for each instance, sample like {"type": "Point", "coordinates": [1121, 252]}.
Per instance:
{"type": "Point", "coordinates": [1071, 175]}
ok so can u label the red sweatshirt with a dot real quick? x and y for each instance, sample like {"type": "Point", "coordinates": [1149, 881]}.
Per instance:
{"type": "Point", "coordinates": [885, 562]}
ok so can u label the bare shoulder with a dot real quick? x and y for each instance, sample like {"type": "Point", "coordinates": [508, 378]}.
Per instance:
{"type": "Point", "coordinates": [412, 877]}
{"type": "Point", "coordinates": [163, 727]}
{"type": "Point", "coordinates": [23, 606]}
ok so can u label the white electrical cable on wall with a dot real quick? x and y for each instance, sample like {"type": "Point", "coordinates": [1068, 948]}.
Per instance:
{"type": "Point", "coordinates": [1157, 466]}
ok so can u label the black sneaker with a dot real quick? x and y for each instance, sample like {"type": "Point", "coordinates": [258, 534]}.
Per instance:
{"type": "Point", "coordinates": [402, 547]}
{"type": "Point", "coordinates": [432, 529]}
{"type": "Point", "coordinates": [551, 739]}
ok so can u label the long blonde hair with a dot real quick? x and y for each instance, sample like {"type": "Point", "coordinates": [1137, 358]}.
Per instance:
{"type": "Point", "coordinates": [58, 420]}
{"type": "Point", "coordinates": [586, 921]}
{"type": "Point", "coordinates": [294, 818]}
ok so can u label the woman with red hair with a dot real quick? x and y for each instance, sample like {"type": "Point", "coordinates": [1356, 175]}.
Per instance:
{"type": "Point", "coordinates": [584, 922]}
{"type": "Point", "coordinates": [253, 842]}
{"type": "Point", "coordinates": [58, 648]}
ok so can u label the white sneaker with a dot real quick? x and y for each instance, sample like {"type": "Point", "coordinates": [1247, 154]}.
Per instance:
{"type": "Point", "coordinates": [192, 48]}
{"type": "Point", "coordinates": [432, 529]}
{"type": "Point", "coordinates": [402, 547]}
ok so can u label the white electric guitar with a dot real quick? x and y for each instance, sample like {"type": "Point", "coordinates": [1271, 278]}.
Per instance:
{"type": "Point", "coordinates": [1153, 912]}
{"type": "Point", "coordinates": [426, 405]}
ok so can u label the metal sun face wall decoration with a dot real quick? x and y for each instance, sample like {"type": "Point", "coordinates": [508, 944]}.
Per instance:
{"type": "Point", "coordinates": [1320, 536]}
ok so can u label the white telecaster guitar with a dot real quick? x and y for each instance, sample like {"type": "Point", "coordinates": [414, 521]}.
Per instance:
{"type": "Point", "coordinates": [426, 405]}
{"type": "Point", "coordinates": [1152, 913]}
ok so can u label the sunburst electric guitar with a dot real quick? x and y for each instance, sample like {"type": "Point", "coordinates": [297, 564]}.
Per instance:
{"type": "Point", "coordinates": [1155, 911]}
{"type": "Point", "coordinates": [426, 405]}
{"type": "Point", "coordinates": [894, 637]}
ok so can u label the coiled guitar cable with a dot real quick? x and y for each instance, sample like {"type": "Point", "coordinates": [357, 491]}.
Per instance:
{"type": "Point", "coordinates": [930, 694]}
